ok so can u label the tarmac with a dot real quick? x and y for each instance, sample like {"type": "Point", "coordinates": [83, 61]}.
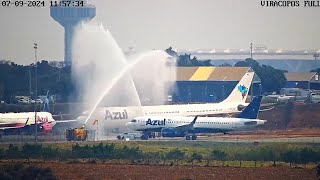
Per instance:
{"type": "Point", "coordinates": [220, 139]}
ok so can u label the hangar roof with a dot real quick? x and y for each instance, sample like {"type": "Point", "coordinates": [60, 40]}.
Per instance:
{"type": "Point", "coordinates": [300, 76]}
{"type": "Point", "coordinates": [210, 73]}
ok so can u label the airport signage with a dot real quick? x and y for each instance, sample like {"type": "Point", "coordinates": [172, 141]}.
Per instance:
{"type": "Point", "coordinates": [116, 115]}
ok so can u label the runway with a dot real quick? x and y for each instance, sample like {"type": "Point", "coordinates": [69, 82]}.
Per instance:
{"type": "Point", "coordinates": [213, 139]}
{"type": "Point", "coordinates": [230, 139]}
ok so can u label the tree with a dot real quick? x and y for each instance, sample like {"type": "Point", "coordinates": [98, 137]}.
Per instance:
{"type": "Point", "coordinates": [316, 70]}
{"type": "Point", "coordinates": [241, 64]}
{"type": "Point", "coordinates": [196, 157]}
{"type": "Point", "coordinates": [171, 52]}
{"type": "Point", "coordinates": [225, 65]}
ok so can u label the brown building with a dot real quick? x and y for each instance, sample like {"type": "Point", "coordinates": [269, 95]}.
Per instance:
{"type": "Point", "coordinates": [209, 84]}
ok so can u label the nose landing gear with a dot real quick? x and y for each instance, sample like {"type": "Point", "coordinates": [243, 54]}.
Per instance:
{"type": "Point", "coordinates": [191, 137]}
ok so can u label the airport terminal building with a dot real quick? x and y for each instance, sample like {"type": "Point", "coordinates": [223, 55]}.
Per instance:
{"type": "Point", "coordinates": [209, 84]}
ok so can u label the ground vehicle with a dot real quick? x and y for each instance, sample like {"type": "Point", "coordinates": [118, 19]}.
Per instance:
{"type": "Point", "coordinates": [127, 136]}
{"type": "Point", "coordinates": [315, 98]}
{"type": "Point", "coordinates": [76, 134]}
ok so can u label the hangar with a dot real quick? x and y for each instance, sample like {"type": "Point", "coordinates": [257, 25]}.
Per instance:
{"type": "Point", "coordinates": [209, 84]}
{"type": "Point", "coordinates": [303, 80]}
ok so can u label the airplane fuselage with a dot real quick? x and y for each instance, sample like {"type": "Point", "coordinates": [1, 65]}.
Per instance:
{"type": "Point", "coordinates": [202, 125]}
{"type": "Point", "coordinates": [115, 117]}
{"type": "Point", "coordinates": [25, 119]}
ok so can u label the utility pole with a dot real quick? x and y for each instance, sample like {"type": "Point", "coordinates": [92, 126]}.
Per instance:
{"type": "Point", "coordinates": [36, 92]}
{"type": "Point", "coordinates": [251, 50]}
{"type": "Point", "coordinates": [30, 83]}
{"type": "Point", "coordinates": [316, 55]}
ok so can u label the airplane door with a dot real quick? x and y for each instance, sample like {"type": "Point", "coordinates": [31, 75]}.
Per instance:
{"type": "Point", "coordinates": [233, 125]}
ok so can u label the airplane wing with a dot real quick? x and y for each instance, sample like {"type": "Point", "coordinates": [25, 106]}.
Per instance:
{"type": "Point", "coordinates": [61, 116]}
{"type": "Point", "coordinates": [187, 126]}
{"type": "Point", "coordinates": [11, 126]}
{"type": "Point", "coordinates": [4, 126]}
{"type": "Point", "coordinates": [66, 121]}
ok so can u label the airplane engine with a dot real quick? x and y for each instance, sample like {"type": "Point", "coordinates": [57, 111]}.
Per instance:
{"type": "Point", "coordinates": [241, 107]}
{"type": "Point", "coordinates": [171, 132]}
{"type": "Point", "coordinates": [46, 128]}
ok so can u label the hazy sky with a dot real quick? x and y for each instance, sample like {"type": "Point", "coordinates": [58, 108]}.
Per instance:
{"type": "Point", "coordinates": [158, 24]}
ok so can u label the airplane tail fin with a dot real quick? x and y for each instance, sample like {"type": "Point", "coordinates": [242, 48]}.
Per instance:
{"type": "Point", "coordinates": [240, 92]}
{"type": "Point", "coordinates": [252, 110]}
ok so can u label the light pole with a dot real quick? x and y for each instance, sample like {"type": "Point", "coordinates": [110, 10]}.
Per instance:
{"type": "Point", "coordinates": [223, 92]}
{"type": "Point", "coordinates": [251, 50]}
{"type": "Point", "coordinates": [30, 91]}
{"type": "Point", "coordinates": [315, 60]}
{"type": "Point", "coordinates": [260, 86]}
{"type": "Point", "coordinates": [36, 91]}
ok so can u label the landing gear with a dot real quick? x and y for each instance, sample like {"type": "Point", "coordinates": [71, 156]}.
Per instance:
{"type": "Point", "coordinates": [191, 137]}
{"type": "Point", "coordinates": [147, 135]}
{"type": "Point", "coordinates": [144, 137]}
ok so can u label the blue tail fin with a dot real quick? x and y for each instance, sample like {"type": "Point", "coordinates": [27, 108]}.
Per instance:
{"type": "Point", "coordinates": [252, 110]}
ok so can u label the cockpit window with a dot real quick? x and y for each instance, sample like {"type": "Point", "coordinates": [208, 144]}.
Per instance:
{"type": "Point", "coordinates": [133, 120]}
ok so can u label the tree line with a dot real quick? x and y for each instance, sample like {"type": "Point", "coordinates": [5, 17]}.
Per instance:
{"type": "Point", "coordinates": [19, 80]}
{"type": "Point", "coordinates": [55, 76]}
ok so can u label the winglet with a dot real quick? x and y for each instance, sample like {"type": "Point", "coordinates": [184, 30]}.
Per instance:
{"type": "Point", "coordinates": [27, 121]}
{"type": "Point", "coordinates": [193, 121]}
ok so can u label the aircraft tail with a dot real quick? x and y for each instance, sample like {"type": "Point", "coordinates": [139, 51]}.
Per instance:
{"type": "Point", "coordinates": [240, 92]}
{"type": "Point", "coordinates": [252, 110]}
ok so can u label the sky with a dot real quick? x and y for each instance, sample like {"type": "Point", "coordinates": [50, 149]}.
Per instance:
{"type": "Point", "coordinates": [159, 24]}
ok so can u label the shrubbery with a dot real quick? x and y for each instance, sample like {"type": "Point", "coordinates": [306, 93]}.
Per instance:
{"type": "Point", "coordinates": [20, 172]}
{"type": "Point", "coordinates": [111, 152]}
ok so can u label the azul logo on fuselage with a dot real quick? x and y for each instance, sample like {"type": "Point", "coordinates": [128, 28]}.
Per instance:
{"type": "Point", "coordinates": [116, 115]}
{"type": "Point", "coordinates": [155, 122]}
{"type": "Point", "coordinates": [42, 119]}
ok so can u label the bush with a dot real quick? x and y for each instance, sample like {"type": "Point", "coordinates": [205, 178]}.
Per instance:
{"type": "Point", "coordinates": [21, 172]}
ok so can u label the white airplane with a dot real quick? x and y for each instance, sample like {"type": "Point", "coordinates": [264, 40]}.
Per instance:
{"type": "Point", "coordinates": [15, 122]}
{"type": "Point", "coordinates": [280, 98]}
{"type": "Point", "coordinates": [189, 126]}
{"type": "Point", "coordinates": [116, 117]}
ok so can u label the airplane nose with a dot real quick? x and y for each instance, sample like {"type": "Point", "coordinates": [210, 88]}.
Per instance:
{"type": "Point", "coordinates": [128, 124]}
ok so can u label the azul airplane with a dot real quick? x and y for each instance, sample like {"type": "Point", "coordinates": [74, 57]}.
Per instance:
{"type": "Point", "coordinates": [189, 126]}
{"type": "Point", "coordinates": [116, 117]}
{"type": "Point", "coordinates": [24, 122]}
{"type": "Point", "coordinates": [13, 123]}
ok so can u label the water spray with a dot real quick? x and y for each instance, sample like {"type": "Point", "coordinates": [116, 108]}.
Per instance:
{"type": "Point", "coordinates": [100, 62]}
